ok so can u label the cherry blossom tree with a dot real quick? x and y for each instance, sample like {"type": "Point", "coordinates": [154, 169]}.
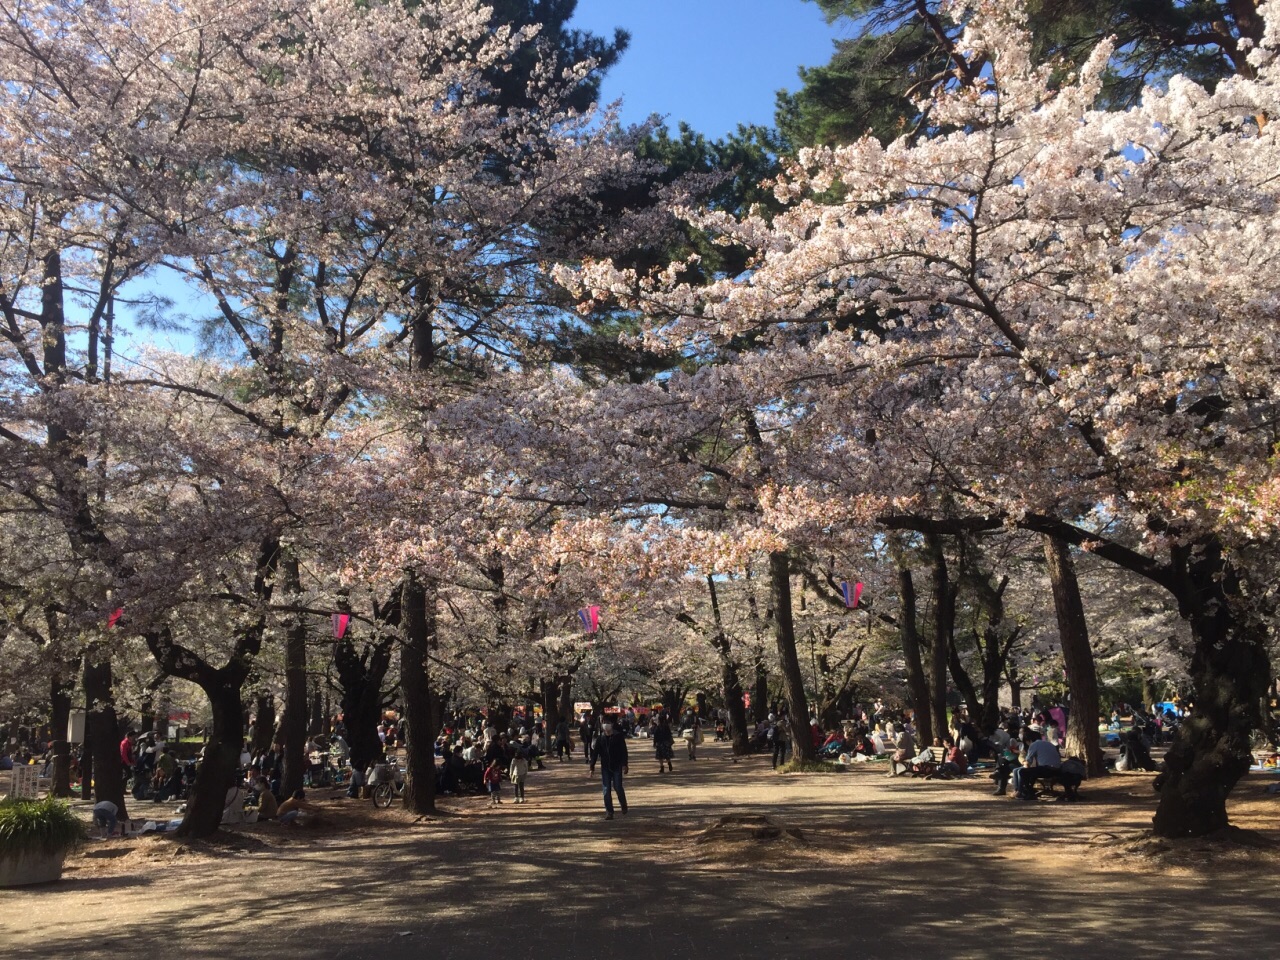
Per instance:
{"type": "Point", "coordinates": [1041, 315]}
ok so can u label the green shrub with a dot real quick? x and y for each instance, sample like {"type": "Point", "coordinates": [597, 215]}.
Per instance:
{"type": "Point", "coordinates": [46, 825]}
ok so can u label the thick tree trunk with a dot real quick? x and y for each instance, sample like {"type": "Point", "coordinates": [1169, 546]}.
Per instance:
{"type": "Point", "coordinates": [361, 676]}
{"type": "Point", "coordinates": [550, 712]}
{"type": "Point", "coordinates": [729, 679]}
{"type": "Point", "coordinates": [86, 757]}
{"type": "Point", "coordinates": [220, 766]}
{"type": "Point", "coordinates": [293, 724]}
{"type": "Point", "coordinates": [944, 614]}
{"type": "Point", "coordinates": [992, 668]}
{"type": "Point", "coordinates": [909, 636]}
{"type": "Point", "coordinates": [788, 659]}
{"type": "Point", "coordinates": [104, 730]}
{"type": "Point", "coordinates": [760, 698]}
{"type": "Point", "coordinates": [1229, 668]}
{"type": "Point", "coordinates": [566, 697]}
{"type": "Point", "coordinates": [264, 724]}
{"type": "Point", "coordinates": [963, 682]}
{"type": "Point", "coordinates": [318, 711]}
{"type": "Point", "coordinates": [59, 714]}
{"type": "Point", "coordinates": [418, 626]}
{"type": "Point", "coordinates": [1077, 657]}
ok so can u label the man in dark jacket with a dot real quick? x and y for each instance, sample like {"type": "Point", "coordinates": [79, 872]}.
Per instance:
{"type": "Point", "coordinates": [610, 750]}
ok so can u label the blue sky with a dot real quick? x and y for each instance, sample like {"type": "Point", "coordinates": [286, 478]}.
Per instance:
{"type": "Point", "coordinates": [713, 63]}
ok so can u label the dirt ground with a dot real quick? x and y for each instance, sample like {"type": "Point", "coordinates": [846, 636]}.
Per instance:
{"type": "Point", "coordinates": [851, 864]}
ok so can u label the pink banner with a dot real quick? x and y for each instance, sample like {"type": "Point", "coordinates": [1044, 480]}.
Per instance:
{"type": "Point", "coordinates": [115, 617]}
{"type": "Point", "coordinates": [340, 621]}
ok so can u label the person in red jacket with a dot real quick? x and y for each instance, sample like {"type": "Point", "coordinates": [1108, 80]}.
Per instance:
{"type": "Point", "coordinates": [127, 757]}
{"type": "Point", "coordinates": [815, 732]}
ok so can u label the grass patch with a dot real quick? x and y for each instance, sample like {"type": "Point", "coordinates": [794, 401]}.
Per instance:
{"type": "Point", "coordinates": [810, 766]}
{"type": "Point", "coordinates": [37, 825]}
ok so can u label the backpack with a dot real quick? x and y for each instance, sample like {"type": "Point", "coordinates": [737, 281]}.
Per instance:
{"type": "Point", "coordinates": [771, 734]}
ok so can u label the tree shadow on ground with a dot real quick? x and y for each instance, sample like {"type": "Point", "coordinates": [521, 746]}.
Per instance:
{"type": "Point", "coordinates": [891, 869]}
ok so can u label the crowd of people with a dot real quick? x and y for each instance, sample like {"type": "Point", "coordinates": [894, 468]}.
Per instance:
{"type": "Point", "coordinates": [477, 753]}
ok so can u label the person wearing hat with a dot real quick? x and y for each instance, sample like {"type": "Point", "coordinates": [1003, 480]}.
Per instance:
{"type": "Point", "coordinates": [610, 750]}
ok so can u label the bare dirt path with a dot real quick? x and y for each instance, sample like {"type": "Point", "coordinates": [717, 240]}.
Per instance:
{"type": "Point", "coordinates": [881, 869]}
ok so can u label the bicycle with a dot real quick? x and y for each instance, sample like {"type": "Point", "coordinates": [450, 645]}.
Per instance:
{"type": "Point", "coordinates": [386, 790]}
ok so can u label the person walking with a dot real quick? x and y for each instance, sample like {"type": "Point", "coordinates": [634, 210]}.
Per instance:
{"type": "Point", "coordinates": [585, 731]}
{"type": "Point", "coordinates": [779, 736]}
{"type": "Point", "coordinates": [664, 743]}
{"type": "Point", "coordinates": [693, 735]}
{"type": "Point", "coordinates": [564, 748]}
{"type": "Point", "coordinates": [610, 751]}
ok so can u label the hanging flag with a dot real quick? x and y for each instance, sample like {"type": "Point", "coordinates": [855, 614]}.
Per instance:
{"type": "Point", "coordinates": [590, 617]}
{"type": "Point", "coordinates": [116, 614]}
{"type": "Point", "coordinates": [340, 621]}
{"type": "Point", "coordinates": [852, 594]}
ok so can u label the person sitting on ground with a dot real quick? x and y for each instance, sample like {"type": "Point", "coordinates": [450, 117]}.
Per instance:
{"type": "Point", "coordinates": [867, 744]}
{"type": "Point", "coordinates": [292, 809]}
{"type": "Point", "coordinates": [233, 805]}
{"type": "Point", "coordinates": [1040, 755]}
{"type": "Point", "coordinates": [268, 807]}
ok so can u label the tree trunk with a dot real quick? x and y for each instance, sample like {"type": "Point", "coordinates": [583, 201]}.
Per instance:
{"type": "Point", "coordinates": [59, 715]}
{"type": "Point", "coordinates": [361, 676]}
{"type": "Point", "coordinates": [264, 724]}
{"type": "Point", "coordinates": [760, 699]}
{"type": "Point", "coordinates": [1077, 657]}
{"type": "Point", "coordinates": [218, 769]}
{"type": "Point", "coordinates": [550, 711]}
{"type": "Point", "coordinates": [963, 682]}
{"type": "Point", "coordinates": [1229, 668]}
{"type": "Point", "coordinates": [318, 712]}
{"type": "Point", "coordinates": [944, 613]}
{"type": "Point", "coordinates": [1015, 690]}
{"type": "Point", "coordinates": [992, 668]}
{"type": "Point", "coordinates": [293, 725]}
{"type": "Point", "coordinates": [86, 757]}
{"type": "Point", "coordinates": [566, 697]}
{"type": "Point", "coordinates": [418, 626]}
{"type": "Point", "coordinates": [729, 680]}
{"type": "Point", "coordinates": [788, 659]}
{"type": "Point", "coordinates": [909, 635]}
{"type": "Point", "coordinates": [108, 772]}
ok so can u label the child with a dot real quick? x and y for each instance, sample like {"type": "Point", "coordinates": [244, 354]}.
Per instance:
{"type": "Point", "coordinates": [493, 780]}
{"type": "Point", "coordinates": [517, 773]}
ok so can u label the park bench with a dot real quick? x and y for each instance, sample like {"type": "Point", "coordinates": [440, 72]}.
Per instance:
{"type": "Point", "coordinates": [1043, 781]}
